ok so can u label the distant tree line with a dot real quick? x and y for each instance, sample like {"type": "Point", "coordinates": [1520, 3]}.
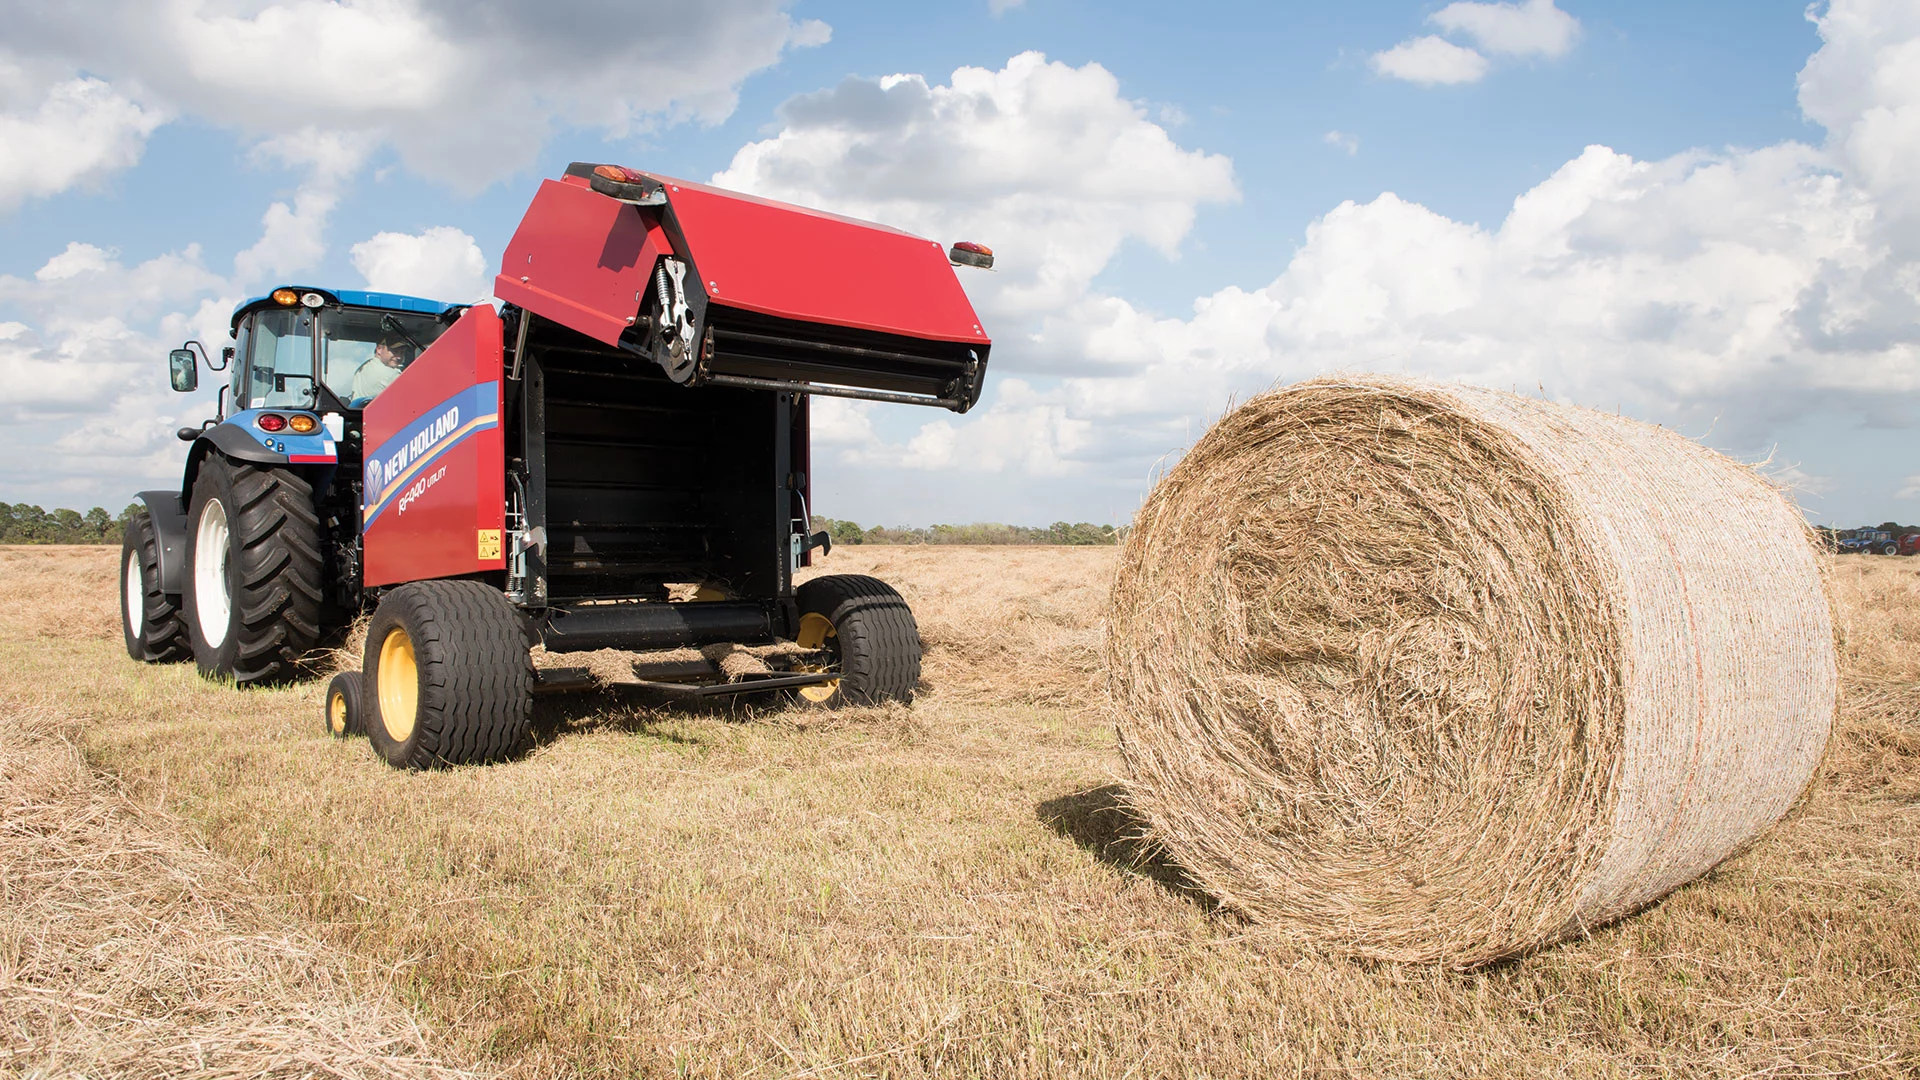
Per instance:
{"type": "Point", "coordinates": [21, 523]}
{"type": "Point", "coordinates": [1079, 534]}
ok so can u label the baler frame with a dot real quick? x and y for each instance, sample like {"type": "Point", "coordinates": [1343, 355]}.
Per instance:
{"type": "Point", "coordinates": [617, 458]}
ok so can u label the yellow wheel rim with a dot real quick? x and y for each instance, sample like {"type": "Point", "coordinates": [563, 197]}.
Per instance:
{"type": "Point", "coordinates": [337, 713]}
{"type": "Point", "coordinates": [399, 685]}
{"type": "Point", "coordinates": [815, 629]}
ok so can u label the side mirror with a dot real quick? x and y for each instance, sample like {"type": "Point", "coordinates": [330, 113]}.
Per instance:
{"type": "Point", "coordinates": [182, 371]}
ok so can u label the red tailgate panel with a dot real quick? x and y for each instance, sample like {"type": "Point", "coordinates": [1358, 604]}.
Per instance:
{"type": "Point", "coordinates": [777, 259]}
{"type": "Point", "coordinates": [433, 497]}
{"type": "Point", "coordinates": [581, 259]}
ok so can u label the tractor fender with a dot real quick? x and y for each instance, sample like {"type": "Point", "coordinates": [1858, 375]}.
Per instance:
{"type": "Point", "coordinates": [232, 442]}
{"type": "Point", "coordinates": [168, 512]}
{"type": "Point", "coordinates": [167, 506]}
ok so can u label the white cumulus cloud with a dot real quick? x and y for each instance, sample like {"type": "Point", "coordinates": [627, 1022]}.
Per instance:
{"type": "Point", "coordinates": [86, 372]}
{"type": "Point", "coordinates": [1523, 29]}
{"type": "Point", "coordinates": [1863, 86]}
{"type": "Point", "coordinates": [1530, 28]}
{"type": "Point", "coordinates": [1431, 61]}
{"type": "Point", "coordinates": [466, 90]}
{"type": "Point", "coordinates": [1046, 163]}
{"type": "Point", "coordinates": [442, 262]}
{"type": "Point", "coordinates": [80, 131]}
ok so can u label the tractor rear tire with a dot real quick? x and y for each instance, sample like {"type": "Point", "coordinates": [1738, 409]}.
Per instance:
{"type": "Point", "coordinates": [447, 676]}
{"type": "Point", "coordinates": [149, 619]}
{"type": "Point", "coordinates": [253, 572]}
{"type": "Point", "coordinates": [869, 630]}
{"type": "Point", "coordinates": [342, 711]}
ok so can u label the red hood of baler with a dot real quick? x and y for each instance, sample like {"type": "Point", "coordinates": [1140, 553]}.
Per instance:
{"type": "Point", "coordinates": [778, 259]}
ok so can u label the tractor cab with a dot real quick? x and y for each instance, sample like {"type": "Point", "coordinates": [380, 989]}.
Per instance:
{"type": "Point", "coordinates": [326, 351]}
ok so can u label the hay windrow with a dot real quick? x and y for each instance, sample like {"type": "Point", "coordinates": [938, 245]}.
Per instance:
{"type": "Point", "coordinates": [127, 952]}
{"type": "Point", "coordinates": [1443, 674]}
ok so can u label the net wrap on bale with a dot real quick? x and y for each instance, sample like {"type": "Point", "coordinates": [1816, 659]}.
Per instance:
{"type": "Point", "coordinates": [1437, 673]}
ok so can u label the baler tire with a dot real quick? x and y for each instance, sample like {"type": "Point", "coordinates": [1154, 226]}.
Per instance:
{"type": "Point", "coordinates": [150, 620]}
{"type": "Point", "coordinates": [873, 635]}
{"type": "Point", "coordinates": [271, 573]}
{"type": "Point", "coordinates": [448, 678]}
{"type": "Point", "coordinates": [341, 710]}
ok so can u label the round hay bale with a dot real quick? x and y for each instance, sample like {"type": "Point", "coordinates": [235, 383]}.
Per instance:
{"type": "Point", "coordinates": [1443, 674]}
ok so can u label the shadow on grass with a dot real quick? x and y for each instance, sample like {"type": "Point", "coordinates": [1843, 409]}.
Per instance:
{"type": "Point", "coordinates": [1100, 821]}
{"type": "Point", "coordinates": [638, 712]}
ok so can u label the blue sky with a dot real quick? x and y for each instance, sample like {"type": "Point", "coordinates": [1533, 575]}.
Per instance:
{"type": "Point", "coordinates": [1190, 203]}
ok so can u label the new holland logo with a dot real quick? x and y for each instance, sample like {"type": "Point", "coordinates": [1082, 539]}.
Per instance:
{"type": "Point", "coordinates": [381, 472]}
{"type": "Point", "coordinates": [399, 465]}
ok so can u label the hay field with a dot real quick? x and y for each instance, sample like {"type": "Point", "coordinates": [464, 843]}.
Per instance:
{"type": "Point", "coordinates": [942, 891]}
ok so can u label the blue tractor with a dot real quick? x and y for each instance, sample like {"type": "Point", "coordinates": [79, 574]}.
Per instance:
{"type": "Point", "coordinates": [257, 555]}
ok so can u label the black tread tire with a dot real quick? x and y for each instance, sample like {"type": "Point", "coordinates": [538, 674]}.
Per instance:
{"type": "Point", "coordinates": [273, 572]}
{"type": "Point", "coordinates": [879, 642]}
{"type": "Point", "coordinates": [162, 637]}
{"type": "Point", "coordinates": [345, 687]}
{"type": "Point", "coordinates": [475, 690]}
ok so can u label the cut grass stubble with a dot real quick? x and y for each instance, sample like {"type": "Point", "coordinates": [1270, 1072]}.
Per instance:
{"type": "Point", "coordinates": [952, 889]}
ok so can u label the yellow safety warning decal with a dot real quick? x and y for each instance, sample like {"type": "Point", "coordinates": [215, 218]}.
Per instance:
{"type": "Point", "coordinates": [489, 543]}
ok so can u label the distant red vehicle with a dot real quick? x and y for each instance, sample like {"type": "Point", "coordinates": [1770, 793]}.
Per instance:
{"type": "Point", "coordinates": [1910, 544]}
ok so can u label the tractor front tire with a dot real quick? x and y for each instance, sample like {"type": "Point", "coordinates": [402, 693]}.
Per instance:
{"type": "Point", "coordinates": [447, 677]}
{"type": "Point", "coordinates": [253, 572]}
{"type": "Point", "coordinates": [868, 630]}
{"type": "Point", "coordinates": [149, 619]}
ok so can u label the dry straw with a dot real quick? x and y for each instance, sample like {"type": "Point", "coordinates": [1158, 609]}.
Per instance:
{"type": "Point", "coordinates": [1444, 674]}
{"type": "Point", "coordinates": [127, 952]}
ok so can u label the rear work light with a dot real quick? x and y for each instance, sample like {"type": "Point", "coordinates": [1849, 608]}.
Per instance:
{"type": "Point", "coordinates": [968, 253]}
{"type": "Point", "coordinates": [270, 422]}
{"type": "Point", "coordinates": [620, 182]}
{"type": "Point", "coordinates": [302, 424]}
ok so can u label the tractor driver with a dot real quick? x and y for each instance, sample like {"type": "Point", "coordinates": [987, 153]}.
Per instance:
{"type": "Point", "coordinates": [390, 357]}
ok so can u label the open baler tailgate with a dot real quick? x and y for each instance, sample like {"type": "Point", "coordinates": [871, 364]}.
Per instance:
{"type": "Point", "coordinates": [729, 290]}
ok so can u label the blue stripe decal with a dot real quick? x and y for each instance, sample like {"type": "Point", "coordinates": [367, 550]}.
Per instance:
{"type": "Point", "coordinates": [395, 463]}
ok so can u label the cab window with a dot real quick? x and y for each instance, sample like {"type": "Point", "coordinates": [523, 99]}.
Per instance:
{"type": "Point", "coordinates": [280, 361]}
{"type": "Point", "coordinates": [237, 368]}
{"type": "Point", "coordinates": [365, 350]}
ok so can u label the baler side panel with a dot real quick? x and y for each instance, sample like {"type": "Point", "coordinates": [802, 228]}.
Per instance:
{"type": "Point", "coordinates": [793, 263]}
{"type": "Point", "coordinates": [433, 495]}
{"type": "Point", "coordinates": [582, 260]}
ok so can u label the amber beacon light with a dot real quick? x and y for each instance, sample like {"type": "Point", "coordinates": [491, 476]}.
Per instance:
{"type": "Point", "coordinates": [968, 253]}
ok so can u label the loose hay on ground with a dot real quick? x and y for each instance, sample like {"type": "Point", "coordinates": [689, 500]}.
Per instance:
{"type": "Point", "coordinates": [1444, 674]}
{"type": "Point", "coordinates": [661, 892]}
{"type": "Point", "coordinates": [125, 952]}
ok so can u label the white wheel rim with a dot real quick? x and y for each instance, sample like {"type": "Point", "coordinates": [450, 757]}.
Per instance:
{"type": "Point", "coordinates": [136, 596]}
{"type": "Point", "coordinates": [212, 603]}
